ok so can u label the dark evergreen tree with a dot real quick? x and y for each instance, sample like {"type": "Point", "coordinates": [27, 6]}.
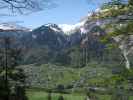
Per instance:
{"type": "Point", "coordinates": [12, 79]}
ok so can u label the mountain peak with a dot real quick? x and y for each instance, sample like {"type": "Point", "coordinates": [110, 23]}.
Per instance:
{"type": "Point", "coordinates": [53, 27]}
{"type": "Point", "coordinates": [51, 24]}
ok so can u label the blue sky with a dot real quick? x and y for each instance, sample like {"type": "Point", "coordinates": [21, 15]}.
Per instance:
{"type": "Point", "coordinates": [67, 12]}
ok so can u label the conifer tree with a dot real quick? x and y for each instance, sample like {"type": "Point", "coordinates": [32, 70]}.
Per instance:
{"type": "Point", "coordinates": [12, 79]}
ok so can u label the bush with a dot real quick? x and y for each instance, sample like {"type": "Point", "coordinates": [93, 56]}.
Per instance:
{"type": "Point", "coordinates": [61, 98]}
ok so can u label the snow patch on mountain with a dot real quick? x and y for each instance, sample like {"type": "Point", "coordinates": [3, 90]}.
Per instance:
{"type": "Point", "coordinates": [54, 27]}
{"type": "Point", "coordinates": [67, 29]}
{"type": "Point", "coordinates": [12, 26]}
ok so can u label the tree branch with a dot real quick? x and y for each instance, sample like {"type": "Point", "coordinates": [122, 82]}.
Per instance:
{"type": "Point", "coordinates": [23, 6]}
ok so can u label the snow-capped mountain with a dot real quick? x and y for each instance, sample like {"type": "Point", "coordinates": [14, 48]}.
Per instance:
{"type": "Point", "coordinates": [13, 26]}
{"type": "Point", "coordinates": [47, 34]}
{"type": "Point", "coordinates": [54, 27]}
{"type": "Point", "coordinates": [68, 29]}
{"type": "Point", "coordinates": [51, 41]}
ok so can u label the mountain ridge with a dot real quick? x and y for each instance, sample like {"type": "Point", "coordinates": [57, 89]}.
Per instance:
{"type": "Point", "coordinates": [66, 29]}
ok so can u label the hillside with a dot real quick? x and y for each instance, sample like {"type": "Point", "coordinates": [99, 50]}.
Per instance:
{"type": "Point", "coordinates": [50, 76]}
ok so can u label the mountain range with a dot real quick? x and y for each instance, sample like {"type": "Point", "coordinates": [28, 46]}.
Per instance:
{"type": "Point", "coordinates": [62, 44]}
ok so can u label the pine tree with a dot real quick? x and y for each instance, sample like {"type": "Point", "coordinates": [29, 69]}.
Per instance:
{"type": "Point", "coordinates": [12, 78]}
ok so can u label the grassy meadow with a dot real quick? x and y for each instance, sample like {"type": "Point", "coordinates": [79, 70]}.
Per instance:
{"type": "Point", "coordinates": [42, 95]}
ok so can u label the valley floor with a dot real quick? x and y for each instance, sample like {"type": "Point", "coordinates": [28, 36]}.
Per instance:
{"type": "Point", "coordinates": [42, 95]}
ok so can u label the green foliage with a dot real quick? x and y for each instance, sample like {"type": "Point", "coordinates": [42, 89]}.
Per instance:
{"type": "Point", "coordinates": [113, 9]}
{"type": "Point", "coordinates": [130, 2]}
{"type": "Point", "coordinates": [113, 3]}
{"type": "Point", "coordinates": [123, 29]}
{"type": "Point", "coordinates": [61, 98]}
{"type": "Point", "coordinates": [105, 39]}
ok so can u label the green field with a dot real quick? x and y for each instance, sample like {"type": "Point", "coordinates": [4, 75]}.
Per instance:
{"type": "Point", "coordinates": [50, 76]}
{"type": "Point", "coordinates": [41, 95]}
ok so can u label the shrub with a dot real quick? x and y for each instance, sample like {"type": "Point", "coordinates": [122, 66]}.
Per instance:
{"type": "Point", "coordinates": [61, 98]}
